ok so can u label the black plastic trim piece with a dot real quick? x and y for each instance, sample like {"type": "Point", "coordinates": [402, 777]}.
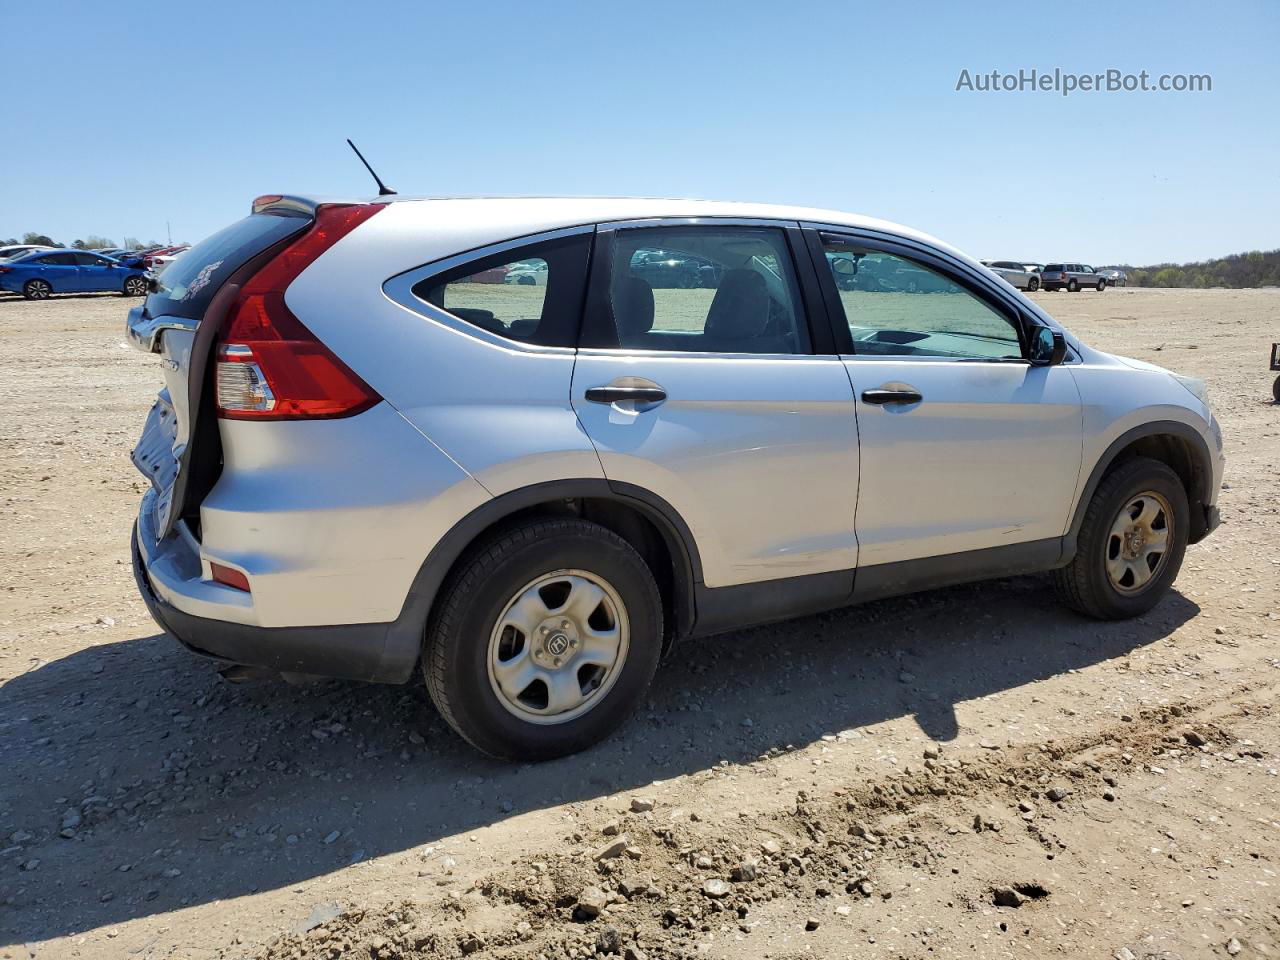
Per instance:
{"type": "Point", "coordinates": [1197, 495]}
{"type": "Point", "coordinates": [721, 609]}
{"type": "Point", "coordinates": [929, 573]}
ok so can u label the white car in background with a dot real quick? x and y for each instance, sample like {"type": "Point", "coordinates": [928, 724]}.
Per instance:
{"type": "Point", "coordinates": [19, 249]}
{"type": "Point", "coordinates": [528, 273]}
{"type": "Point", "coordinates": [1018, 274]}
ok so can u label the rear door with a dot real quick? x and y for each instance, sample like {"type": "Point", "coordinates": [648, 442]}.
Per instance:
{"type": "Point", "coordinates": [965, 445]}
{"type": "Point", "coordinates": [61, 270]}
{"type": "Point", "coordinates": [719, 396]}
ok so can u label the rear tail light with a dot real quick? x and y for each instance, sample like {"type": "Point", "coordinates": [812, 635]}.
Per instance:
{"type": "Point", "coordinates": [270, 366]}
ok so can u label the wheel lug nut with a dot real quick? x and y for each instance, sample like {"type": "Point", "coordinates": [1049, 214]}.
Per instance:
{"type": "Point", "coordinates": [574, 643]}
{"type": "Point", "coordinates": [556, 661]}
{"type": "Point", "coordinates": [564, 624]}
{"type": "Point", "coordinates": [544, 629]}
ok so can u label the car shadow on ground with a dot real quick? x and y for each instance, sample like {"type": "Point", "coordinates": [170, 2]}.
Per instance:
{"type": "Point", "coordinates": [138, 781]}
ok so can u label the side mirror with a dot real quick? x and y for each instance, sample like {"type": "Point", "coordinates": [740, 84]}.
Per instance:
{"type": "Point", "coordinates": [845, 266]}
{"type": "Point", "coordinates": [1048, 347]}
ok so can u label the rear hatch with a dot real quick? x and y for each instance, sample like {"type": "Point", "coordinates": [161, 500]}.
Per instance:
{"type": "Point", "coordinates": [179, 449]}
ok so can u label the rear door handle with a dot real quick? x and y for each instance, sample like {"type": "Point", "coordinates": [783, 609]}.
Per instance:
{"type": "Point", "coordinates": [881, 395]}
{"type": "Point", "coordinates": [619, 394]}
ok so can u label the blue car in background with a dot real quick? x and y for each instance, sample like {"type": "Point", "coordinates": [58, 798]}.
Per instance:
{"type": "Point", "coordinates": [39, 275]}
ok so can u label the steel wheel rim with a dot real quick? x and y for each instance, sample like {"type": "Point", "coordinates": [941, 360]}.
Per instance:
{"type": "Point", "coordinates": [558, 646]}
{"type": "Point", "coordinates": [1138, 546]}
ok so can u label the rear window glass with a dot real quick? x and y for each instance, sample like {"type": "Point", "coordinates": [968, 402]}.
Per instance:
{"type": "Point", "coordinates": [185, 287]}
{"type": "Point", "coordinates": [1052, 267]}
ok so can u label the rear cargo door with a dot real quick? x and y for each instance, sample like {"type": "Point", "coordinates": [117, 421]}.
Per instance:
{"type": "Point", "coordinates": [179, 320]}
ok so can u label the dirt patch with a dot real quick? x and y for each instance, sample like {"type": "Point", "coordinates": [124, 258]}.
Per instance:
{"type": "Point", "coordinates": [854, 784]}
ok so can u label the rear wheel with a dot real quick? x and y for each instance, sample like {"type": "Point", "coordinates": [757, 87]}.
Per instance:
{"type": "Point", "coordinates": [546, 640]}
{"type": "Point", "coordinates": [1275, 390]}
{"type": "Point", "coordinates": [135, 287]}
{"type": "Point", "coordinates": [1033, 284]}
{"type": "Point", "coordinates": [37, 289]}
{"type": "Point", "coordinates": [1131, 542]}
{"type": "Point", "coordinates": [1072, 286]}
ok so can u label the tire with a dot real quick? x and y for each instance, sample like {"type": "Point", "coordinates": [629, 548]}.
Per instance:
{"type": "Point", "coordinates": [1033, 284]}
{"type": "Point", "coordinates": [1275, 390]}
{"type": "Point", "coordinates": [1072, 286]}
{"type": "Point", "coordinates": [37, 289]}
{"type": "Point", "coordinates": [1102, 285]}
{"type": "Point", "coordinates": [472, 639]}
{"type": "Point", "coordinates": [135, 286]}
{"type": "Point", "coordinates": [1088, 584]}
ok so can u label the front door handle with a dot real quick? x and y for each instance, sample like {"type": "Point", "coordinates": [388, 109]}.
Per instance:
{"type": "Point", "coordinates": [619, 394]}
{"type": "Point", "coordinates": [883, 395]}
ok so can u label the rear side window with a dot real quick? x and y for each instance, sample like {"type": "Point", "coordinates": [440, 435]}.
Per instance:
{"type": "Point", "coordinates": [530, 294]}
{"type": "Point", "coordinates": [186, 285]}
{"type": "Point", "coordinates": [703, 290]}
{"type": "Point", "coordinates": [58, 259]}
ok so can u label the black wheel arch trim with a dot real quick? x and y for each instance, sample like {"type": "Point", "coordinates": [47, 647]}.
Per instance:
{"type": "Point", "coordinates": [1203, 518]}
{"type": "Point", "coordinates": [405, 635]}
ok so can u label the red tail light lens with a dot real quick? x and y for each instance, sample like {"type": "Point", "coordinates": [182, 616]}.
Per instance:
{"type": "Point", "coordinates": [270, 366]}
{"type": "Point", "coordinates": [229, 577]}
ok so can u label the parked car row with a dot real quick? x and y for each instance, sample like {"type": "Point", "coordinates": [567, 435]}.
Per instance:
{"type": "Point", "coordinates": [38, 272]}
{"type": "Point", "coordinates": [1071, 277]}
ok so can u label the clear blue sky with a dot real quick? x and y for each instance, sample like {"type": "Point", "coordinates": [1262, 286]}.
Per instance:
{"type": "Point", "coordinates": [125, 115]}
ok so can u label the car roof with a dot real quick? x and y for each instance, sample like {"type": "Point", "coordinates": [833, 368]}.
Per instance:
{"type": "Point", "coordinates": [512, 216]}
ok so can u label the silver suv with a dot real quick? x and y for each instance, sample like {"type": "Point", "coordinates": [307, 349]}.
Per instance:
{"type": "Point", "coordinates": [373, 453]}
{"type": "Point", "coordinates": [1071, 277]}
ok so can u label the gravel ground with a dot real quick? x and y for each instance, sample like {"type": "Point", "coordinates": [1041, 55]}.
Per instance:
{"type": "Point", "coordinates": [970, 772]}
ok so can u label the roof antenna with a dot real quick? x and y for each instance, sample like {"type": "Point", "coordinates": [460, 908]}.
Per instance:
{"type": "Point", "coordinates": [383, 189]}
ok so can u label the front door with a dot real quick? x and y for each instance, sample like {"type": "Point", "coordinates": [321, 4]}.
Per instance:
{"type": "Point", "coordinates": [965, 445]}
{"type": "Point", "coordinates": [697, 380]}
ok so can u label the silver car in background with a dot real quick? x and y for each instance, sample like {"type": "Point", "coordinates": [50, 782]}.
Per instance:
{"type": "Point", "coordinates": [1018, 274]}
{"type": "Point", "coordinates": [371, 461]}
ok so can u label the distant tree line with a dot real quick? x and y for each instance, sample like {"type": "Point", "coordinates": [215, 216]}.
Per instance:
{"type": "Point", "coordinates": [90, 242]}
{"type": "Point", "coordinates": [1257, 268]}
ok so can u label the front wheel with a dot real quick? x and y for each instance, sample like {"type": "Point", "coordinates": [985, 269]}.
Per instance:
{"type": "Point", "coordinates": [37, 289]}
{"type": "Point", "coordinates": [135, 287]}
{"type": "Point", "coordinates": [1131, 542]}
{"type": "Point", "coordinates": [1275, 390]}
{"type": "Point", "coordinates": [1102, 285]}
{"type": "Point", "coordinates": [546, 640]}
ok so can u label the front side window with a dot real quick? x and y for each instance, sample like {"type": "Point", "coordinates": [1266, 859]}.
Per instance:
{"type": "Point", "coordinates": [91, 260]}
{"type": "Point", "coordinates": [898, 307]}
{"type": "Point", "coordinates": [704, 290]}
{"type": "Point", "coordinates": [532, 294]}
